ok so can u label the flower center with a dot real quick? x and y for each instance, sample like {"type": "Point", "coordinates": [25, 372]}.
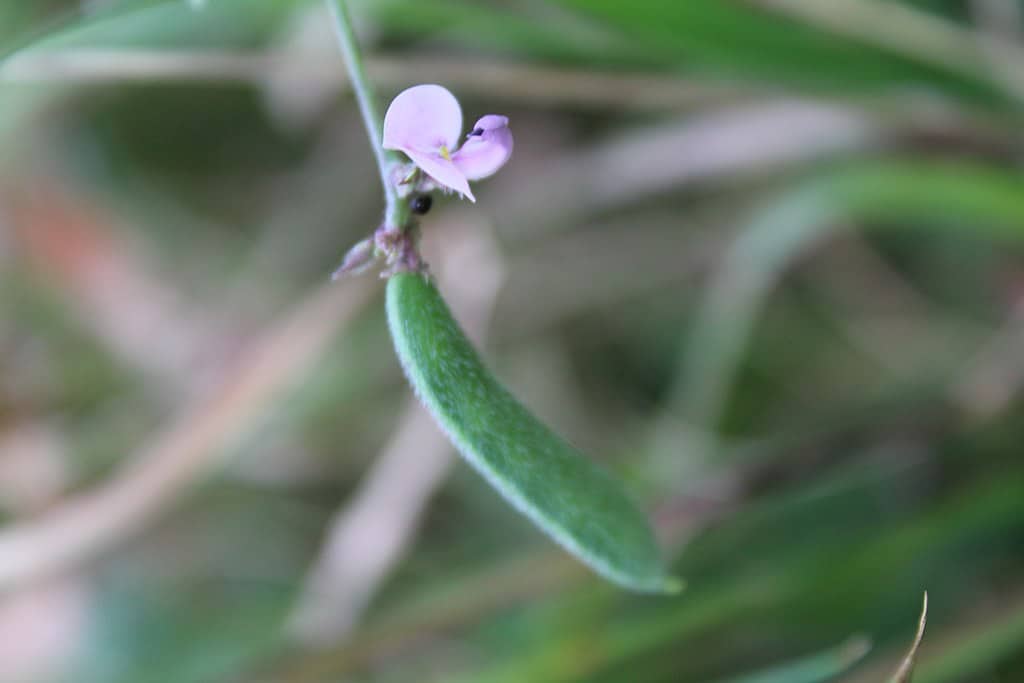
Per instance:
{"type": "Point", "coordinates": [445, 153]}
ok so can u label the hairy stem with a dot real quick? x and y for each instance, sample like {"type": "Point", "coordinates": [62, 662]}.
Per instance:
{"type": "Point", "coordinates": [397, 215]}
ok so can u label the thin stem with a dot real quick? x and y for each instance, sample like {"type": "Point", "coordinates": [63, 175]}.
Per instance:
{"type": "Point", "coordinates": [397, 213]}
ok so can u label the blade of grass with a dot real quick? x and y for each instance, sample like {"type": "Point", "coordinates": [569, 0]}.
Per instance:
{"type": "Point", "coordinates": [817, 668]}
{"type": "Point", "coordinates": [726, 38]}
{"type": "Point", "coordinates": [906, 670]}
{"type": "Point", "coordinates": [980, 200]}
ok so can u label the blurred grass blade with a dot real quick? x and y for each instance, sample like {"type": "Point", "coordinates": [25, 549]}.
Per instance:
{"type": "Point", "coordinates": [983, 202]}
{"type": "Point", "coordinates": [568, 497]}
{"type": "Point", "coordinates": [974, 649]}
{"type": "Point", "coordinates": [817, 668]}
{"type": "Point", "coordinates": [165, 24]}
{"type": "Point", "coordinates": [906, 670]}
{"type": "Point", "coordinates": [749, 42]}
{"type": "Point", "coordinates": [541, 32]}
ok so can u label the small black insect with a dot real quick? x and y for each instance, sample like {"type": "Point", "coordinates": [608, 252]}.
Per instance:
{"type": "Point", "coordinates": [421, 203]}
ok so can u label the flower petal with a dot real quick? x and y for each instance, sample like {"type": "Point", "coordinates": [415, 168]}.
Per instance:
{"type": "Point", "coordinates": [486, 149]}
{"type": "Point", "coordinates": [443, 171]}
{"type": "Point", "coordinates": [423, 117]}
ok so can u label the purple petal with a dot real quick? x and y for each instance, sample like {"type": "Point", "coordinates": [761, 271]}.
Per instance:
{"type": "Point", "coordinates": [443, 171]}
{"type": "Point", "coordinates": [487, 148]}
{"type": "Point", "coordinates": [424, 118]}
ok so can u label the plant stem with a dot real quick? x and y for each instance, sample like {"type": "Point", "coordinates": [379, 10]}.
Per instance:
{"type": "Point", "coordinates": [397, 214]}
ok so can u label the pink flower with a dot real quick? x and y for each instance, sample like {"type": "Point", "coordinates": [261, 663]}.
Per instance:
{"type": "Point", "coordinates": [425, 122]}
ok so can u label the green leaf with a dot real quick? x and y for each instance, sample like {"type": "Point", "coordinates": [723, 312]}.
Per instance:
{"type": "Point", "coordinates": [567, 496]}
